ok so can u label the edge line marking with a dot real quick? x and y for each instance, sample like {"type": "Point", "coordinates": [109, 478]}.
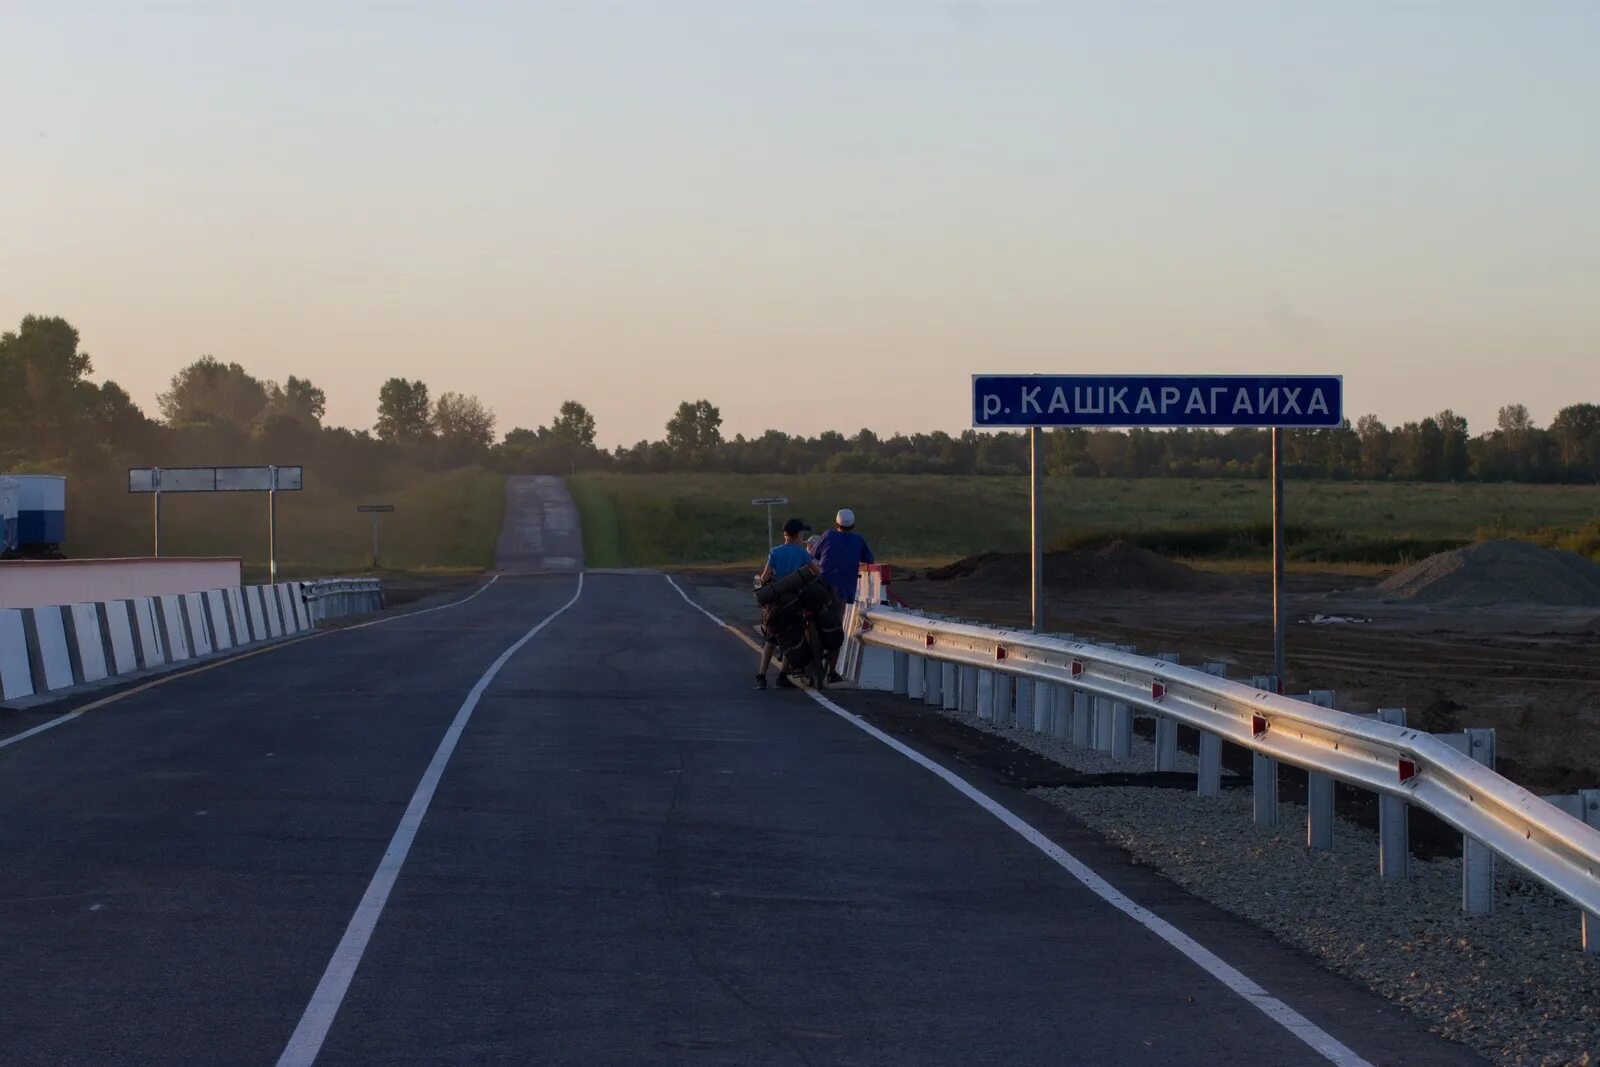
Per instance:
{"type": "Point", "coordinates": [173, 676]}
{"type": "Point", "coordinates": [1325, 1044]}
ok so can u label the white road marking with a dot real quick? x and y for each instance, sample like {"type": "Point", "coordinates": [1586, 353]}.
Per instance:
{"type": "Point", "coordinates": [306, 1041]}
{"type": "Point", "coordinates": [248, 653]}
{"type": "Point", "coordinates": [1325, 1044]}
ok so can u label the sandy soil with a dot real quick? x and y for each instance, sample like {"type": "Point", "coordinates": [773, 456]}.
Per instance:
{"type": "Point", "coordinates": [1532, 674]}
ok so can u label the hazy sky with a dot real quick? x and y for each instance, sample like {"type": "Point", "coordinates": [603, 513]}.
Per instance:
{"type": "Point", "coordinates": [816, 215]}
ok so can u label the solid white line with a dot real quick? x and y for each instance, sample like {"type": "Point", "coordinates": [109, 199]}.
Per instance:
{"type": "Point", "coordinates": [308, 1036]}
{"type": "Point", "coordinates": [1329, 1047]}
{"type": "Point", "coordinates": [692, 604]}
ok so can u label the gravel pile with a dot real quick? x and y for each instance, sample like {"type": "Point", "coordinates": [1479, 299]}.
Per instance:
{"type": "Point", "coordinates": [1118, 565]}
{"type": "Point", "coordinates": [1512, 985]}
{"type": "Point", "coordinates": [1498, 572]}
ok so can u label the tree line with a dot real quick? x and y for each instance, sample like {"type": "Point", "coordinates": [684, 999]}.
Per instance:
{"type": "Point", "coordinates": [217, 413]}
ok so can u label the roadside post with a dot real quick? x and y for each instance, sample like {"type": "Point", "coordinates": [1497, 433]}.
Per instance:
{"type": "Point", "coordinates": [376, 511]}
{"type": "Point", "coordinates": [769, 501]}
{"type": "Point", "coordinates": [1036, 524]}
{"type": "Point", "coordinates": [1165, 401]}
{"type": "Point", "coordinates": [270, 480]}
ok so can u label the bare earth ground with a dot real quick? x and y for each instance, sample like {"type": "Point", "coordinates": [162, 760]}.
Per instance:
{"type": "Point", "coordinates": [1532, 674]}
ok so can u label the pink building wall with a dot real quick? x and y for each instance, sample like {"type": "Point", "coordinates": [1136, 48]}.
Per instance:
{"type": "Point", "coordinates": [39, 583]}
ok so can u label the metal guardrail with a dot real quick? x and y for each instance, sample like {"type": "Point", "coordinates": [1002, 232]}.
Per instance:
{"type": "Point", "coordinates": [1537, 836]}
{"type": "Point", "coordinates": [330, 598]}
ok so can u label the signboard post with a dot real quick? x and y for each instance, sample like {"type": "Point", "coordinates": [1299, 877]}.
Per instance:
{"type": "Point", "coordinates": [1270, 402]}
{"type": "Point", "coordinates": [270, 480]}
{"type": "Point", "coordinates": [375, 510]}
{"type": "Point", "coordinates": [769, 501]}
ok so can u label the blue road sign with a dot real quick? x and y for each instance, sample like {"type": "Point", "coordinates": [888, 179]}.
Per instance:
{"type": "Point", "coordinates": [1302, 400]}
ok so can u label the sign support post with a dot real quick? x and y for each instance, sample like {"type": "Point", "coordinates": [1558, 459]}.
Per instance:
{"type": "Point", "coordinates": [1277, 557]}
{"type": "Point", "coordinates": [272, 524]}
{"type": "Point", "coordinates": [768, 501]}
{"type": "Point", "coordinates": [1269, 402]}
{"type": "Point", "coordinates": [1036, 507]}
{"type": "Point", "coordinates": [155, 480]}
{"type": "Point", "coordinates": [376, 511]}
{"type": "Point", "coordinates": [159, 480]}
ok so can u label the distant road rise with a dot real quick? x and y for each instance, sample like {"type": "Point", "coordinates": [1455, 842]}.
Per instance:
{"type": "Point", "coordinates": [541, 532]}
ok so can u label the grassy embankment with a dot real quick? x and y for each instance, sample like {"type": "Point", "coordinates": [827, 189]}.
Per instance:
{"type": "Point", "coordinates": [443, 522]}
{"type": "Point", "coordinates": [659, 520]}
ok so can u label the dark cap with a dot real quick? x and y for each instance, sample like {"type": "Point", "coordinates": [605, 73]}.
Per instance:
{"type": "Point", "coordinates": [794, 526]}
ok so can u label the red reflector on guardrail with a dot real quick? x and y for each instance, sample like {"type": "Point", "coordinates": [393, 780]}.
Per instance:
{"type": "Point", "coordinates": [866, 624]}
{"type": "Point", "coordinates": [999, 652]}
{"type": "Point", "coordinates": [1077, 667]}
{"type": "Point", "coordinates": [1157, 690]}
{"type": "Point", "coordinates": [1258, 724]}
{"type": "Point", "coordinates": [930, 640]}
{"type": "Point", "coordinates": [1408, 770]}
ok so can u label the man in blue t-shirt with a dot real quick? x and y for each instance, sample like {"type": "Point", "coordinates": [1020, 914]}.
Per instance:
{"type": "Point", "coordinates": [839, 555]}
{"type": "Point", "coordinates": [782, 561]}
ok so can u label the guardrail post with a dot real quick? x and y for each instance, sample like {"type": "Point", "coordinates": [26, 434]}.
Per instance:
{"type": "Point", "coordinates": [1082, 723]}
{"type": "Point", "coordinates": [1102, 723]}
{"type": "Point", "coordinates": [1477, 858]}
{"type": "Point", "coordinates": [902, 672]}
{"type": "Point", "coordinates": [1394, 834]}
{"type": "Point", "coordinates": [950, 686]}
{"type": "Point", "coordinates": [1166, 730]}
{"type": "Point", "coordinates": [1584, 805]}
{"type": "Point", "coordinates": [1022, 690]}
{"type": "Point", "coordinates": [1121, 731]}
{"type": "Point", "coordinates": [1004, 708]}
{"type": "Point", "coordinates": [1319, 792]}
{"type": "Point", "coordinates": [986, 695]}
{"type": "Point", "coordinates": [932, 682]}
{"type": "Point", "coordinates": [1264, 770]}
{"type": "Point", "coordinates": [1060, 712]}
{"type": "Point", "coordinates": [1209, 780]}
{"type": "Point", "coordinates": [916, 678]}
{"type": "Point", "coordinates": [969, 689]}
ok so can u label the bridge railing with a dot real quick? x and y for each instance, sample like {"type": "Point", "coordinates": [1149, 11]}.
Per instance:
{"type": "Point", "coordinates": [1088, 693]}
{"type": "Point", "coordinates": [330, 598]}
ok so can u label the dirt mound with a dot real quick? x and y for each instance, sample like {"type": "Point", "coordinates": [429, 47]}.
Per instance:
{"type": "Point", "coordinates": [1498, 572]}
{"type": "Point", "coordinates": [1118, 565]}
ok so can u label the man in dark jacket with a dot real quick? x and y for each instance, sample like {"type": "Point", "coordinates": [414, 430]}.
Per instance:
{"type": "Point", "coordinates": [839, 554]}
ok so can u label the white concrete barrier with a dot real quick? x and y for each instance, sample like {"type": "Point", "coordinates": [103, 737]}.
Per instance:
{"type": "Point", "coordinates": [269, 606]}
{"type": "Point", "coordinates": [50, 643]}
{"type": "Point", "coordinates": [291, 623]}
{"type": "Point", "coordinates": [217, 610]}
{"type": "Point", "coordinates": [146, 627]}
{"type": "Point", "coordinates": [238, 616]}
{"type": "Point", "coordinates": [87, 642]}
{"type": "Point", "coordinates": [194, 610]}
{"type": "Point", "coordinates": [16, 676]}
{"type": "Point", "coordinates": [302, 613]}
{"type": "Point", "coordinates": [174, 635]}
{"type": "Point", "coordinates": [259, 629]}
{"type": "Point", "coordinates": [119, 635]}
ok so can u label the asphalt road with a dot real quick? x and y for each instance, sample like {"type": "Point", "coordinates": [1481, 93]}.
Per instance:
{"type": "Point", "coordinates": [541, 533]}
{"type": "Point", "coordinates": [630, 857]}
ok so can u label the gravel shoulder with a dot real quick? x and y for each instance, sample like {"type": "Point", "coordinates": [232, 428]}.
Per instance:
{"type": "Point", "coordinates": [1512, 985]}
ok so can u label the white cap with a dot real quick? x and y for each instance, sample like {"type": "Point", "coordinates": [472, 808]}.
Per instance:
{"type": "Point", "coordinates": [845, 519]}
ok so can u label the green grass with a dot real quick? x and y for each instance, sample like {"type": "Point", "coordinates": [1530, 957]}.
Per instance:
{"type": "Point", "coordinates": [666, 519]}
{"type": "Point", "coordinates": [447, 521]}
